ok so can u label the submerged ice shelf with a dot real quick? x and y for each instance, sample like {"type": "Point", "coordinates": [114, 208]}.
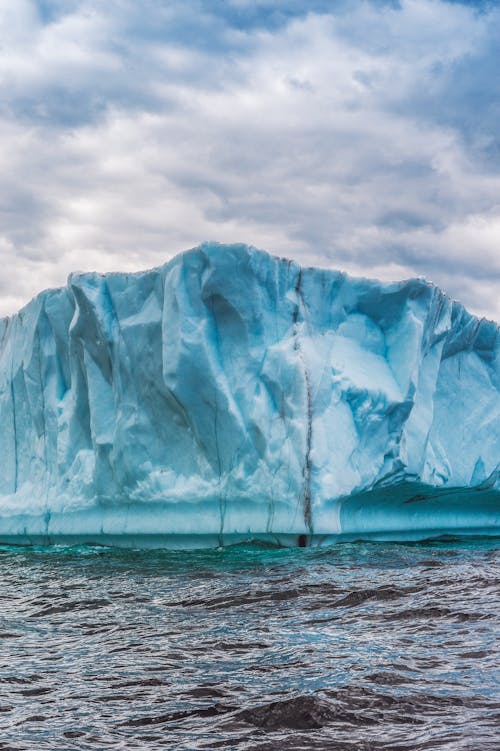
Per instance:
{"type": "Point", "coordinates": [231, 395]}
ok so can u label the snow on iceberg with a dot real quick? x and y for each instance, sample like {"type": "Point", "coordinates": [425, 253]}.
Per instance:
{"type": "Point", "coordinates": [231, 395]}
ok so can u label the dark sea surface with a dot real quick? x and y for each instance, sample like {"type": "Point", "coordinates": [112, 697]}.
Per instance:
{"type": "Point", "coordinates": [356, 646]}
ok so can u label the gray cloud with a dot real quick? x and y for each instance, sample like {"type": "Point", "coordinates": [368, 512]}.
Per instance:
{"type": "Point", "coordinates": [363, 139]}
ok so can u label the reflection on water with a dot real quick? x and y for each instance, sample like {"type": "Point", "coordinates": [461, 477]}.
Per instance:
{"type": "Point", "coordinates": [358, 646]}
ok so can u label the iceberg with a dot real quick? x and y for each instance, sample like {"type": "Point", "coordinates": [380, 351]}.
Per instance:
{"type": "Point", "coordinates": [231, 395]}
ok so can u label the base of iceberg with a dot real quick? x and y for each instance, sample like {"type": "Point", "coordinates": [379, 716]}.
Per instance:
{"type": "Point", "coordinates": [232, 396]}
{"type": "Point", "coordinates": [406, 512]}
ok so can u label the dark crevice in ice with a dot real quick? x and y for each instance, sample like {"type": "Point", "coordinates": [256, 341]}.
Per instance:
{"type": "Point", "coordinates": [307, 458]}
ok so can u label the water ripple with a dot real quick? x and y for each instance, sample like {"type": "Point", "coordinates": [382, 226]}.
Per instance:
{"type": "Point", "coordinates": [360, 647]}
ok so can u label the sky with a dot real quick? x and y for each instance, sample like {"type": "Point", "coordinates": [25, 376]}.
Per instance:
{"type": "Point", "coordinates": [362, 136]}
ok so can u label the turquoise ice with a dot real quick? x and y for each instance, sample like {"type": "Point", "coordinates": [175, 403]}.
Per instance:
{"type": "Point", "coordinates": [230, 394]}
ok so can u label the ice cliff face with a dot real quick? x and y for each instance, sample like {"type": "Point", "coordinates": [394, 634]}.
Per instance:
{"type": "Point", "coordinates": [230, 394]}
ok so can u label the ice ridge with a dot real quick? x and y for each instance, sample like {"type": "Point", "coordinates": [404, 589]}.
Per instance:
{"type": "Point", "coordinates": [230, 394]}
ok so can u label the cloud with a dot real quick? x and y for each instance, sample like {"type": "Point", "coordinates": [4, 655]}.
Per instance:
{"type": "Point", "coordinates": [363, 138]}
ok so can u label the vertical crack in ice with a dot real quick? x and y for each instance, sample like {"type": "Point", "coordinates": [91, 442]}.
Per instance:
{"type": "Point", "coordinates": [307, 463]}
{"type": "Point", "coordinates": [306, 470]}
{"type": "Point", "coordinates": [14, 424]}
{"type": "Point", "coordinates": [222, 498]}
{"type": "Point", "coordinates": [43, 411]}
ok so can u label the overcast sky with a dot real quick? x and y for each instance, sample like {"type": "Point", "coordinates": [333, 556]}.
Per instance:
{"type": "Point", "coordinates": [360, 136]}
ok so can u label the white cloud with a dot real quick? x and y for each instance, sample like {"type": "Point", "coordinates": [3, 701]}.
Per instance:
{"type": "Point", "coordinates": [323, 138]}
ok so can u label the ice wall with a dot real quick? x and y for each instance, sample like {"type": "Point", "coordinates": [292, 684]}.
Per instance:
{"type": "Point", "coordinates": [231, 394]}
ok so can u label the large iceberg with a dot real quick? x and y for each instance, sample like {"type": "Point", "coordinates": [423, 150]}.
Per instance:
{"type": "Point", "coordinates": [230, 395]}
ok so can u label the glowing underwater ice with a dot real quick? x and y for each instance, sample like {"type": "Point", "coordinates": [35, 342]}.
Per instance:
{"type": "Point", "coordinates": [230, 394]}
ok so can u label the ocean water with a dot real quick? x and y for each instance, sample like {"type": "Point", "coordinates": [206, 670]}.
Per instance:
{"type": "Point", "coordinates": [355, 646]}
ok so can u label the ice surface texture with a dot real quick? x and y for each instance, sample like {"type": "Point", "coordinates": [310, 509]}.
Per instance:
{"type": "Point", "coordinates": [230, 394]}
